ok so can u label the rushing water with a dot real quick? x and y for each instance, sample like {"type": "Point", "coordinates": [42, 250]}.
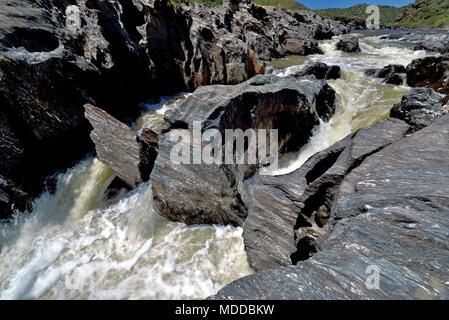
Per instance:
{"type": "Point", "coordinates": [78, 245]}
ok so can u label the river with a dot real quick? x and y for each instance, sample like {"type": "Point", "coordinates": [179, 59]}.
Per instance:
{"type": "Point", "coordinates": [76, 244]}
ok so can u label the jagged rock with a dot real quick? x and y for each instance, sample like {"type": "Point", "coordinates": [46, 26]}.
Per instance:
{"type": "Point", "coordinates": [389, 74]}
{"type": "Point", "coordinates": [200, 193]}
{"type": "Point", "coordinates": [434, 43]}
{"type": "Point", "coordinates": [389, 217]}
{"type": "Point", "coordinates": [320, 70]}
{"type": "Point", "coordinates": [349, 45]}
{"type": "Point", "coordinates": [419, 107]}
{"type": "Point", "coordinates": [393, 79]}
{"type": "Point", "coordinates": [56, 56]}
{"type": "Point", "coordinates": [286, 213]}
{"type": "Point", "coordinates": [431, 72]}
{"type": "Point", "coordinates": [130, 156]}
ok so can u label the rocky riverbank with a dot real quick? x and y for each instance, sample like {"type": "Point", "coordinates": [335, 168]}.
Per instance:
{"type": "Point", "coordinates": [56, 56]}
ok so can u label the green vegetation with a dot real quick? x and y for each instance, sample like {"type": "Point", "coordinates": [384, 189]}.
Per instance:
{"type": "Point", "coordinates": [387, 13]}
{"type": "Point", "coordinates": [288, 4]}
{"type": "Point", "coordinates": [421, 14]}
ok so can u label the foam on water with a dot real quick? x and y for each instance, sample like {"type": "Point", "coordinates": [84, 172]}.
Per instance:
{"type": "Point", "coordinates": [76, 245]}
{"type": "Point", "coordinates": [361, 100]}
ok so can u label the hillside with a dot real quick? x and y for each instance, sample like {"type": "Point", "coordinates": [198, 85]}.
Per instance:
{"type": "Point", "coordinates": [288, 4]}
{"type": "Point", "coordinates": [421, 14]}
{"type": "Point", "coordinates": [425, 13]}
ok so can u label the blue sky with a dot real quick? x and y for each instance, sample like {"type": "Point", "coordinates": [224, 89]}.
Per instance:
{"type": "Point", "coordinates": [323, 4]}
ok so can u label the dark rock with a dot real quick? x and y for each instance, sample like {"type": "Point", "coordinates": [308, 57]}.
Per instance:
{"type": "Point", "coordinates": [419, 107]}
{"type": "Point", "coordinates": [200, 193]}
{"type": "Point", "coordinates": [130, 156]}
{"type": "Point", "coordinates": [389, 214]}
{"type": "Point", "coordinates": [349, 45]}
{"type": "Point", "coordinates": [288, 214]}
{"type": "Point", "coordinates": [390, 69]}
{"type": "Point", "coordinates": [56, 56]}
{"type": "Point", "coordinates": [393, 79]}
{"type": "Point", "coordinates": [320, 70]}
{"type": "Point", "coordinates": [431, 72]}
{"type": "Point", "coordinates": [388, 73]}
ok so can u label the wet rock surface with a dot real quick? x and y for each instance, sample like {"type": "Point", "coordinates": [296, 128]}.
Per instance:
{"type": "Point", "coordinates": [389, 214]}
{"type": "Point", "coordinates": [200, 193]}
{"type": "Point", "coordinates": [431, 72]}
{"type": "Point", "coordinates": [288, 215]}
{"type": "Point", "coordinates": [56, 56]}
{"type": "Point", "coordinates": [349, 45]}
{"type": "Point", "coordinates": [320, 70]}
{"type": "Point", "coordinates": [419, 107]}
{"type": "Point", "coordinates": [130, 156]}
{"type": "Point", "coordinates": [390, 74]}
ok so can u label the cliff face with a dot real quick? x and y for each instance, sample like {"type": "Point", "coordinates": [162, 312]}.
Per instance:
{"type": "Point", "coordinates": [55, 56]}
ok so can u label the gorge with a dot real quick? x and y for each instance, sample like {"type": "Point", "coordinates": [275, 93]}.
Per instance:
{"type": "Point", "coordinates": [355, 187]}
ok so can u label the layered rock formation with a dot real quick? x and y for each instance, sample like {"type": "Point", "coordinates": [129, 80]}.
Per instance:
{"type": "Point", "coordinates": [387, 217]}
{"type": "Point", "coordinates": [419, 107]}
{"type": "Point", "coordinates": [56, 56]}
{"type": "Point", "coordinates": [201, 193]}
{"type": "Point", "coordinates": [130, 156]}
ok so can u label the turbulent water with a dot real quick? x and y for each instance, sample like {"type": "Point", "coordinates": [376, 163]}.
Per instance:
{"type": "Point", "coordinates": [77, 245]}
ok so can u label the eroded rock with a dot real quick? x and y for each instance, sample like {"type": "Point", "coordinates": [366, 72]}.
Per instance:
{"type": "Point", "coordinates": [419, 107]}
{"type": "Point", "coordinates": [200, 193]}
{"type": "Point", "coordinates": [431, 72]}
{"type": "Point", "coordinates": [349, 45]}
{"type": "Point", "coordinates": [389, 217]}
{"type": "Point", "coordinates": [130, 156]}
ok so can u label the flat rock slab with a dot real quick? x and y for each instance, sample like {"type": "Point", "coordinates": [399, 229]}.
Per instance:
{"type": "Point", "coordinates": [391, 215]}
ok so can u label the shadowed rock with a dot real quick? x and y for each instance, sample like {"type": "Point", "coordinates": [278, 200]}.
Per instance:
{"type": "Point", "coordinates": [131, 157]}
{"type": "Point", "coordinates": [389, 74]}
{"type": "Point", "coordinates": [288, 214]}
{"type": "Point", "coordinates": [320, 70]}
{"type": "Point", "coordinates": [431, 72]}
{"type": "Point", "coordinates": [349, 45]}
{"type": "Point", "coordinates": [389, 216]}
{"type": "Point", "coordinates": [200, 193]}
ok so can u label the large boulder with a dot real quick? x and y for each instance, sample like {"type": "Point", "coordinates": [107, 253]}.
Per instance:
{"type": "Point", "coordinates": [289, 214]}
{"type": "Point", "coordinates": [388, 228]}
{"type": "Point", "coordinates": [201, 193]}
{"type": "Point", "coordinates": [431, 72]}
{"type": "Point", "coordinates": [348, 45]}
{"type": "Point", "coordinates": [419, 107]}
{"type": "Point", "coordinates": [130, 156]}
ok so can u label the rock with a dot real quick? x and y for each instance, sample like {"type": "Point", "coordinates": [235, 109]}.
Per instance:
{"type": "Point", "coordinates": [201, 193]}
{"type": "Point", "coordinates": [434, 43]}
{"type": "Point", "coordinates": [389, 73]}
{"type": "Point", "coordinates": [419, 107]}
{"type": "Point", "coordinates": [130, 156]}
{"type": "Point", "coordinates": [288, 214]}
{"type": "Point", "coordinates": [56, 56]}
{"type": "Point", "coordinates": [393, 79]}
{"type": "Point", "coordinates": [320, 70]}
{"type": "Point", "coordinates": [349, 45]}
{"type": "Point", "coordinates": [388, 218]}
{"type": "Point", "coordinates": [431, 72]}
